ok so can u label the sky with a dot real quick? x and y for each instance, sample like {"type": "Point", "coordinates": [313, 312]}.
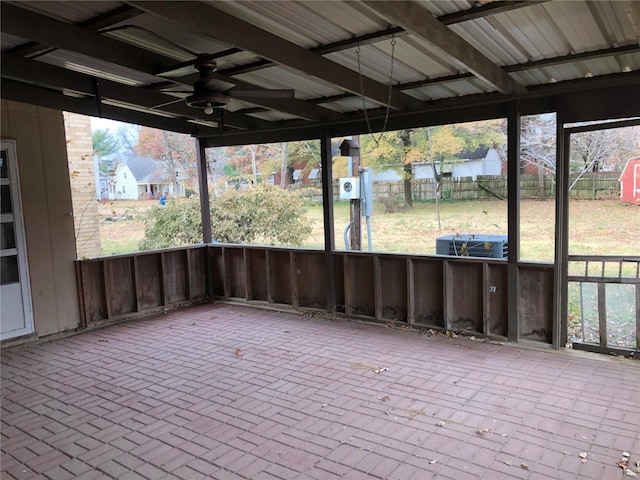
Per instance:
{"type": "Point", "coordinates": [103, 124]}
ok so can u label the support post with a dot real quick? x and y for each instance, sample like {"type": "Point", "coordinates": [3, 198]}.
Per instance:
{"type": "Point", "coordinates": [563, 147]}
{"type": "Point", "coordinates": [327, 210]}
{"type": "Point", "coordinates": [203, 184]}
{"type": "Point", "coordinates": [513, 215]}
{"type": "Point", "coordinates": [355, 210]}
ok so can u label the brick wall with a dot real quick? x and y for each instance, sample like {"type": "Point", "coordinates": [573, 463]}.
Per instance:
{"type": "Point", "coordinates": [83, 188]}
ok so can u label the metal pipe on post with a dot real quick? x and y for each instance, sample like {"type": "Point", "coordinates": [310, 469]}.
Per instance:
{"type": "Point", "coordinates": [327, 209]}
{"type": "Point", "coordinates": [355, 208]}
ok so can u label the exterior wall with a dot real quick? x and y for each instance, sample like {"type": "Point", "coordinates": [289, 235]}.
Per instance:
{"type": "Point", "coordinates": [83, 191]}
{"type": "Point", "coordinates": [630, 182]}
{"type": "Point", "coordinates": [126, 185]}
{"type": "Point", "coordinates": [47, 210]}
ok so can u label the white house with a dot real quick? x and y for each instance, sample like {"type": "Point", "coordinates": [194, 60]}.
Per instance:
{"type": "Point", "coordinates": [482, 161]}
{"type": "Point", "coordinates": [141, 177]}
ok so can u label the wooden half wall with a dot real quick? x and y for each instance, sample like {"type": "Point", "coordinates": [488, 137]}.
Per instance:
{"type": "Point", "coordinates": [445, 293]}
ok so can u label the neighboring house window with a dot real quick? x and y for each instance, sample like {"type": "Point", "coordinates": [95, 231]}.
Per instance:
{"type": "Point", "coordinates": [125, 175]}
{"type": "Point", "coordinates": [124, 190]}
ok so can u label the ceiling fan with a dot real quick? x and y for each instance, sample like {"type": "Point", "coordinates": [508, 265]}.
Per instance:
{"type": "Point", "coordinates": [206, 96]}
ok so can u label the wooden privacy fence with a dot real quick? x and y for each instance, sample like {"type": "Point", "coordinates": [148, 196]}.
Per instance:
{"type": "Point", "coordinates": [452, 293]}
{"type": "Point", "coordinates": [590, 186]}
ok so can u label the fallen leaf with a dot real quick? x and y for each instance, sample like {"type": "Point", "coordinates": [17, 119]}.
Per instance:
{"type": "Point", "coordinates": [504, 434]}
{"type": "Point", "coordinates": [624, 463]}
{"type": "Point", "coordinates": [508, 463]}
{"type": "Point", "coordinates": [626, 454]}
{"type": "Point", "coordinates": [482, 431]}
{"type": "Point", "coordinates": [386, 398]}
{"type": "Point", "coordinates": [630, 473]}
{"type": "Point", "coordinates": [566, 453]}
{"type": "Point", "coordinates": [239, 352]}
{"type": "Point", "coordinates": [583, 454]}
{"type": "Point", "coordinates": [380, 370]}
{"type": "Point", "coordinates": [103, 340]}
{"type": "Point", "coordinates": [524, 466]}
{"type": "Point", "coordinates": [584, 460]}
{"type": "Point", "coordinates": [441, 424]}
{"type": "Point", "coordinates": [432, 461]}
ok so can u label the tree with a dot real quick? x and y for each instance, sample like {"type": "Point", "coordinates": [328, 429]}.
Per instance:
{"type": "Point", "coordinates": [176, 151]}
{"type": "Point", "coordinates": [104, 142]}
{"type": "Point", "coordinates": [262, 214]}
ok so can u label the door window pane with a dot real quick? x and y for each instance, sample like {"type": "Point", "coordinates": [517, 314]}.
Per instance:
{"type": "Point", "coordinates": [9, 270]}
{"type": "Point", "coordinates": [4, 166]}
{"type": "Point", "coordinates": [7, 236]}
{"type": "Point", "coordinates": [5, 199]}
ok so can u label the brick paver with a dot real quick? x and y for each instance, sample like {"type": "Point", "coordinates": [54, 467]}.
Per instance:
{"type": "Point", "coordinates": [222, 391]}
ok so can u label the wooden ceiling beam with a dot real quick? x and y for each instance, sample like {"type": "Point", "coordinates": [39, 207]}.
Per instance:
{"type": "Point", "coordinates": [21, 92]}
{"type": "Point", "coordinates": [58, 78]}
{"type": "Point", "coordinates": [208, 21]}
{"type": "Point", "coordinates": [52, 32]}
{"type": "Point", "coordinates": [447, 44]}
{"type": "Point", "coordinates": [117, 15]}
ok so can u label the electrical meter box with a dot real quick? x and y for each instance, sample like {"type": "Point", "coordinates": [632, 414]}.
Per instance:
{"type": "Point", "coordinates": [349, 188]}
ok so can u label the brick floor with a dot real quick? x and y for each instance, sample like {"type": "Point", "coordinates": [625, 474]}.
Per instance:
{"type": "Point", "coordinates": [222, 391]}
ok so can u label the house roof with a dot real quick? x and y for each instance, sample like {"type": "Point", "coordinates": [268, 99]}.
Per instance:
{"type": "Point", "coordinates": [146, 170]}
{"type": "Point", "coordinates": [478, 153]}
{"type": "Point", "coordinates": [429, 62]}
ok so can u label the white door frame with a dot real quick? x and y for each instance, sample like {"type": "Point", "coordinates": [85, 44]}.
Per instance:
{"type": "Point", "coordinates": [21, 244]}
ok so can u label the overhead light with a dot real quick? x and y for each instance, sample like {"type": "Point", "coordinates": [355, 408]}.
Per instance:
{"type": "Point", "coordinates": [208, 110]}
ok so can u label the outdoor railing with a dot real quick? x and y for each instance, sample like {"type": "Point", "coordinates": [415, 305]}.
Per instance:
{"type": "Point", "coordinates": [604, 303]}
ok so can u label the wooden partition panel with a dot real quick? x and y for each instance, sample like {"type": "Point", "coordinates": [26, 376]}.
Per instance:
{"type": "Point", "coordinates": [279, 264]}
{"type": "Point", "coordinates": [217, 271]}
{"type": "Point", "coordinates": [495, 291]}
{"type": "Point", "coordinates": [257, 275]}
{"type": "Point", "coordinates": [176, 279]}
{"type": "Point", "coordinates": [391, 288]}
{"type": "Point", "coordinates": [197, 272]}
{"type": "Point", "coordinates": [339, 276]}
{"type": "Point", "coordinates": [310, 275]}
{"type": "Point", "coordinates": [235, 270]}
{"type": "Point", "coordinates": [359, 285]}
{"type": "Point", "coordinates": [464, 296]}
{"type": "Point", "coordinates": [92, 292]}
{"type": "Point", "coordinates": [120, 286]}
{"type": "Point", "coordinates": [426, 292]}
{"type": "Point", "coordinates": [536, 303]}
{"type": "Point", "coordinates": [149, 283]}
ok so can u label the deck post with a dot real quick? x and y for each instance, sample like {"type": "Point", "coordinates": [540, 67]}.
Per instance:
{"type": "Point", "coordinates": [513, 219]}
{"type": "Point", "coordinates": [327, 209]}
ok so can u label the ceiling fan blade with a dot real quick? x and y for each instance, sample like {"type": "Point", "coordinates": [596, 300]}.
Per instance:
{"type": "Point", "coordinates": [166, 103]}
{"type": "Point", "coordinates": [260, 93]}
{"type": "Point", "coordinates": [189, 92]}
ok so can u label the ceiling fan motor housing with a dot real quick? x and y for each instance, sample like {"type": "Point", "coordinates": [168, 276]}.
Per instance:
{"type": "Point", "coordinates": [203, 96]}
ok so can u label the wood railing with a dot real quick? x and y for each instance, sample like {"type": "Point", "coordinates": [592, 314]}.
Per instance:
{"type": "Point", "coordinates": [448, 293]}
{"type": "Point", "coordinates": [606, 326]}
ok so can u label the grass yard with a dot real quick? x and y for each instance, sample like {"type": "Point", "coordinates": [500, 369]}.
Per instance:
{"type": "Point", "coordinates": [605, 227]}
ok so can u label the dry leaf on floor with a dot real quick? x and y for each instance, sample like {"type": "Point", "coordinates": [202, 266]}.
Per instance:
{"type": "Point", "coordinates": [386, 398]}
{"type": "Point", "coordinates": [583, 454]}
{"type": "Point", "coordinates": [482, 431]}
{"type": "Point", "coordinates": [626, 454]}
{"type": "Point", "coordinates": [584, 460]}
{"type": "Point", "coordinates": [566, 453]}
{"type": "Point", "coordinates": [432, 461]}
{"type": "Point", "coordinates": [507, 463]}
{"type": "Point", "coordinates": [524, 466]}
{"type": "Point", "coordinates": [441, 424]}
{"type": "Point", "coordinates": [630, 473]}
{"type": "Point", "coordinates": [239, 352]}
{"type": "Point", "coordinates": [624, 463]}
{"type": "Point", "coordinates": [380, 370]}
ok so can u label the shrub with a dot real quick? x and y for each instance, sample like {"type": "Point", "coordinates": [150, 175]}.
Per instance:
{"type": "Point", "coordinates": [262, 214]}
{"type": "Point", "coordinates": [392, 204]}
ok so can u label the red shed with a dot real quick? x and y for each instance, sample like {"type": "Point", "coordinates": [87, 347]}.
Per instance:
{"type": "Point", "coordinates": [630, 182]}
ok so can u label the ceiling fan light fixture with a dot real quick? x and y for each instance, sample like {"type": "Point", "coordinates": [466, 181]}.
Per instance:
{"type": "Point", "coordinates": [208, 101]}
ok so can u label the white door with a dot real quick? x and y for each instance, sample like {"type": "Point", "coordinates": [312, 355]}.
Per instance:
{"type": "Point", "coordinates": [16, 317]}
